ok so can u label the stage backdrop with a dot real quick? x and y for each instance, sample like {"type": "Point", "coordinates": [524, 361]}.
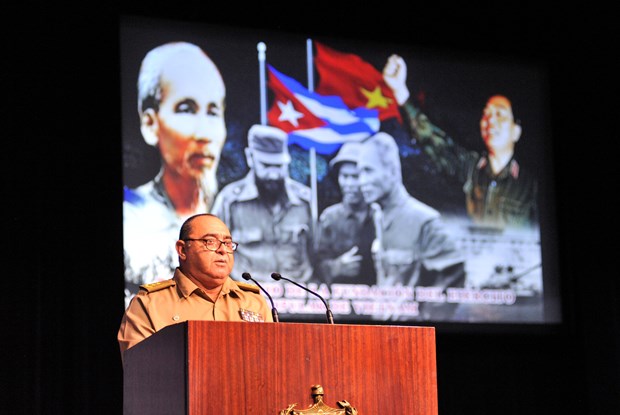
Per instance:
{"type": "Point", "coordinates": [323, 92]}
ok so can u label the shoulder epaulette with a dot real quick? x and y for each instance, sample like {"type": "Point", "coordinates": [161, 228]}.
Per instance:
{"type": "Point", "coordinates": [248, 287]}
{"type": "Point", "coordinates": [156, 286]}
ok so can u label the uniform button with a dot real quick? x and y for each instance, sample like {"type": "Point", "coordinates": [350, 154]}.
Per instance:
{"type": "Point", "coordinates": [176, 318]}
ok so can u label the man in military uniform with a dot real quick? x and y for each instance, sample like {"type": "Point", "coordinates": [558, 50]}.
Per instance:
{"type": "Point", "coordinates": [201, 288]}
{"type": "Point", "coordinates": [498, 191]}
{"type": "Point", "coordinates": [345, 230]}
{"type": "Point", "coordinates": [268, 212]}
{"type": "Point", "coordinates": [181, 99]}
{"type": "Point", "coordinates": [413, 249]}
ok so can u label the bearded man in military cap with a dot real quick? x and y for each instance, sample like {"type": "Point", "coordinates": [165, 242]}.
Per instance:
{"type": "Point", "coordinates": [268, 213]}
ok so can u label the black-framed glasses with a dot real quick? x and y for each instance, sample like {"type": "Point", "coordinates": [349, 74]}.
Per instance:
{"type": "Point", "coordinates": [213, 244]}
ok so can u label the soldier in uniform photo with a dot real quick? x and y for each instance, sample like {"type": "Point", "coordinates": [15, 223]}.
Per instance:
{"type": "Point", "coordinates": [414, 248]}
{"type": "Point", "coordinates": [345, 230]}
{"type": "Point", "coordinates": [268, 212]}
{"type": "Point", "coordinates": [499, 192]}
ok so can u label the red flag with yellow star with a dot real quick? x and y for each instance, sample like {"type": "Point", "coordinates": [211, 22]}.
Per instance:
{"type": "Point", "coordinates": [356, 81]}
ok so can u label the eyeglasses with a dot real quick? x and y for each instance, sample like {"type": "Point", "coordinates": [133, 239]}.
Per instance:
{"type": "Point", "coordinates": [213, 244]}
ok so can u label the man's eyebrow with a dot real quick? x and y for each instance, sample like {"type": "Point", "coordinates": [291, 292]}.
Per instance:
{"type": "Point", "coordinates": [216, 235]}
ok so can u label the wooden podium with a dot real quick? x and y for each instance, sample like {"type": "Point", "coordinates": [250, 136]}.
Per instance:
{"type": "Point", "coordinates": [208, 368]}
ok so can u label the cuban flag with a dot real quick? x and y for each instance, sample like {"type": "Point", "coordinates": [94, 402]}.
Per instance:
{"type": "Point", "coordinates": [315, 121]}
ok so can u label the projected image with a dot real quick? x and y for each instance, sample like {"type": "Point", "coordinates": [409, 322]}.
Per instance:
{"type": "Point", "coordinates": [398, 184]}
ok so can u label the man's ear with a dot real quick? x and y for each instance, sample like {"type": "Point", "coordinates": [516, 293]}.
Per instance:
{"type": "Point", "coordinates": [180, 247]}
{"type": "Point", "coordinates": [149, 127]}
{"type": "Point", "coordinates": [516, 132]}
{"type": "Point", "coordinates": [248, 158]}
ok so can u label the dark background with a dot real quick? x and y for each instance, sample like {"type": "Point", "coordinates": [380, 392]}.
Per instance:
{"type": "Point", "coordinates": [62, 181]}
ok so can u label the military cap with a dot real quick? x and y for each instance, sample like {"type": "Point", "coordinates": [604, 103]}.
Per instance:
{"type": "Point", "coordinates": [348, 152]}
{"type": "Point", "coordinates": [269, 144]}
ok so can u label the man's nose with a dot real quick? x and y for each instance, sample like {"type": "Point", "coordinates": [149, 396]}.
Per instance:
{"type": "Point", "coordinates": [273, 174]}
{"type": "Point", "coordinates": [362, 180]}
{"type": "Point", "coordinates": [203, 132]}
{"type": "Point", "coordinates": [207, 128]}
{"type": "Point", "coordinates": [350, 182]}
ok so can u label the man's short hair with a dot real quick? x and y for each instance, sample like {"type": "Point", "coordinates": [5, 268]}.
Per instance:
{"type": "Point", "coordinates": [387, 149]}
{"type": "Point", "coordinates": [149, 79]}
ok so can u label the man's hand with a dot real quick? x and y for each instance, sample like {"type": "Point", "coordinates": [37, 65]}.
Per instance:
{"type": "Point", "coordinates": [348, 264]}
{"type": "Point", "coordinates": [395, 76]}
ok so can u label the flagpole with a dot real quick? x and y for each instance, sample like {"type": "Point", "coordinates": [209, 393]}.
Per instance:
{"type": "Point", "coordinates": [309, 65]}
{"type": "Point", "coordinates": [261, 47]}
{"type": "Point", "coordinates": [313, 175]}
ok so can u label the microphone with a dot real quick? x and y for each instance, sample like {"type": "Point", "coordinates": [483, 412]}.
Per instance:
{"type": "Point", "coordinates": [330, 316]}
{"type": "Point", "coordinates": [246, 276]}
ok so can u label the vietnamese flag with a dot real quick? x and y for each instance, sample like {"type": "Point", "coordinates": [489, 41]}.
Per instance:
{"type": "Point", "coordinates": [356, 81]}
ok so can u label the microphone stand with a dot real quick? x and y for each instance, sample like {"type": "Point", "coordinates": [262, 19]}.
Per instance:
{"type": "Point", "coordinates": [330, 316]}
{"type": "Point", "coordinates": [274, 312]}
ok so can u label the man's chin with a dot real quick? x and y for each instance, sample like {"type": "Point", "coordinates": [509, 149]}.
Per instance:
{"type": "Point", "coordinates": [272, 186]}
{"type": "Point", "coordinates": [220, 275]}
{"type": "Point", "coordinates": [352, 199]}
{"type": "Point", "coordinates": [369, 198]}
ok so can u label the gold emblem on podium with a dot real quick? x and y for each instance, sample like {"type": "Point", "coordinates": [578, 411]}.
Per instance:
{"type": "Point", "coordinates": [319, 407]}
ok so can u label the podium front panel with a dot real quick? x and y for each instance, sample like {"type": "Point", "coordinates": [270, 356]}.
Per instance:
{"type": "Point", "coordinates": [201, 367]}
